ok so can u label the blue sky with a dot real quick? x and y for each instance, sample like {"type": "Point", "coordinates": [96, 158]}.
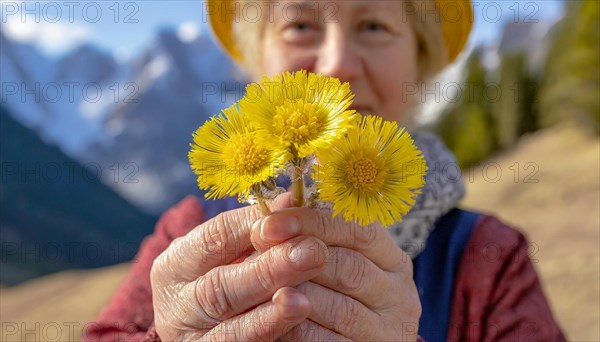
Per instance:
{"type": "Point", "coordinates": [124, 27]}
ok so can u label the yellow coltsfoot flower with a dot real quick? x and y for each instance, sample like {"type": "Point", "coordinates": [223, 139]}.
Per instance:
{"type": "Point", "coordinates": [372, 174]}
{"type": "Point", "coordinates": [227, 157]}
{"type": "Point", "coordinates": [299, 111]}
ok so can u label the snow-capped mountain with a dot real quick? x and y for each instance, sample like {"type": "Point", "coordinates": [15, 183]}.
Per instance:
{"type": "Point", "coordinates": [533, 39]}
{"type": "Point", "coordinates": [46, 95]}
{"type": "Point", "coordinates": [176, 89]}
{"type": "Point", "coordinates": [22, 68]}
{"type": "Point", "coordinates": [131, 122]}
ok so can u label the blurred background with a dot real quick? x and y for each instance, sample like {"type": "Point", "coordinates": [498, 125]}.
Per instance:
{"type": "Point", "coordinates": [99, 101]}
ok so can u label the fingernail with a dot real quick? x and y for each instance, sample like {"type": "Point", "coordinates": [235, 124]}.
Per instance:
{"type": "Point", "coordinates": [289, 297]}
{"type": "Point", "coordinates": [279, 227]}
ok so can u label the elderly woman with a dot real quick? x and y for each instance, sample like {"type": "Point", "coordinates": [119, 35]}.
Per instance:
{"type": "Point", "coordinates": [299, 274]}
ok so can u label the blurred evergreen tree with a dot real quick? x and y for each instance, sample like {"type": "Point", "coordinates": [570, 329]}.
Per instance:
{"type": "Point", "coordinates": [515, 110]}
{"type": "Point", "coordinates": [467, 127]}
{"type": "Point", "coordinates": [571, 86]}
{"type": "Point", "coordinates": [494, 115]}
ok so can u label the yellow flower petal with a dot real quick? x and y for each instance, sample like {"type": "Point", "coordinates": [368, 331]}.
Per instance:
{"type": "Point", "coordinates": [299, 111]}
{"type": "Point", "coordinates": [227, 156]}
{"type": "Point", "coordinates": [372, 174]}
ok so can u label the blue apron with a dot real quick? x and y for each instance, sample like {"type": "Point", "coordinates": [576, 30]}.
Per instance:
{"type": "Point", "coordinates": [435, 269]}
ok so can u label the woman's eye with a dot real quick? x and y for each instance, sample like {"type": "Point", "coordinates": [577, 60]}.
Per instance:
{"type": "Point", "coordinates": [300, 32]}
{"type": "Point", "coordinates": [371, 26]}
{"type": "Point", "coordinates": [374, 32]}
{"type": "Point", "coordinates": [301, 26]}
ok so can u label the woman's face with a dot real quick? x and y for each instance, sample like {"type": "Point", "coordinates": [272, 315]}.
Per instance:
{"type": "Point", "coordinates": [368, 43]}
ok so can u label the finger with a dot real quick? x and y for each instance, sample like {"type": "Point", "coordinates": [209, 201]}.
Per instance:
{"type": "Point", "coordinates": [311, 331]}
{"type": "Point", "coordinates": [373, 241]}
{"type": "Point", "coordinates": [341, 313]}
{"type": "Point", "coordinates": [282, 201]}
{"type": "Point", "coordinates": [218, 241]}
{"type": "Point", "coordinates": [266, 322]}
{"type": "Point", "coordinates": [229, 290]}
{"type": "Point", "coordinates": [349, 272]}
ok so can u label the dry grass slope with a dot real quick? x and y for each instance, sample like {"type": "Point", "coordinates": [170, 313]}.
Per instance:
{"type": "Point", "coordinates": [559, 213]}
{"type": "Point", "coordinates": [57, 307]}
{"type": "Point", "coordinates": [558, 209]}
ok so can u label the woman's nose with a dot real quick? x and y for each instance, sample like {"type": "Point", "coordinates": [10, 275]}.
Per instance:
{"type": "Point", "coordinates": [338, 57]}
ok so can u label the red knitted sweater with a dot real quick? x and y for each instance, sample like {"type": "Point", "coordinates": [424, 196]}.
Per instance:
{"type": "Point", "coordinates": [500, 300]}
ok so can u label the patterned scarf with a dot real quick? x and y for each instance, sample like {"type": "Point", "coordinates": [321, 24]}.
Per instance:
{"type": "Point", "coordinates": [443, 188]}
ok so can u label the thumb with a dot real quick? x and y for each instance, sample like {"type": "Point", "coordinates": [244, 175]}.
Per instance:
{"type": "Point", "coordinates": [280, 202]}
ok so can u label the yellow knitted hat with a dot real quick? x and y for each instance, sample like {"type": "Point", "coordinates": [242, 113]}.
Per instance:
{"type": "Point", "coordinates": [456, 20]}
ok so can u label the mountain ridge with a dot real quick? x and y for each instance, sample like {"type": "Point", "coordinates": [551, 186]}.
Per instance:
{"type": "Point", "coordinates": [55, 213]}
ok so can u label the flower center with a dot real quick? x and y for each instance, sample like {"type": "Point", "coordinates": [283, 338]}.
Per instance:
{"type": "Point", "coordinates": [297, 122]}
{"type": "Point", "coordinates": [364, 173]}
{"type": "Point", "coordinates": [245, 156]}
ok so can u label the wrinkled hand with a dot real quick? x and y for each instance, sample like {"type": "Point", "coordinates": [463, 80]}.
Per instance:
{"type": "Point", "coordinates": [198, 293]}
{"type": "Point", "coordinates": [366, 290]}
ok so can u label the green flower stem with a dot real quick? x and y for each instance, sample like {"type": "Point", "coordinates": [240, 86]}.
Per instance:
{"type": "Point", "coordinates": [260, 198]}
{"type": "Point", "coordinates": [264, 208]}
{"type": "Point", "coordinates": [297, 183]}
